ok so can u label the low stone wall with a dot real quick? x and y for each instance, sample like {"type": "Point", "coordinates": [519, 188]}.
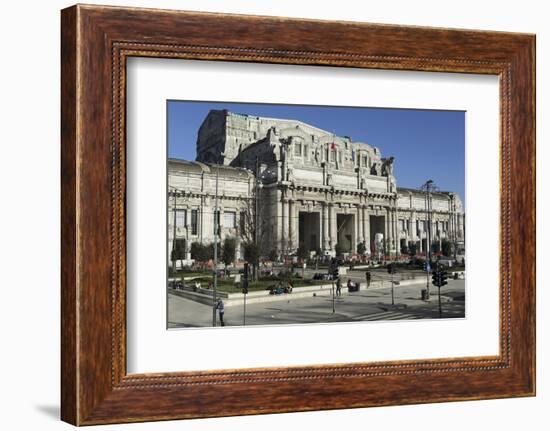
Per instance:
{"type": "Point", "coordinates": [204, 296]}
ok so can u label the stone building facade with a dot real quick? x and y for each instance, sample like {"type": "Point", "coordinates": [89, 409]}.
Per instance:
{"type": "Point", "coordinates": [314, 189]}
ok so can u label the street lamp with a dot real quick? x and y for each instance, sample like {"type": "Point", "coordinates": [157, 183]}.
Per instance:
{"type": "Point", "coordinates": [216, 229]}
{"type": "Point", "coordinates": [174, 232]}
{"type": "Point", "coordinates": [429, 187]}
{"type": "Point", "coordinates": [216, 237]}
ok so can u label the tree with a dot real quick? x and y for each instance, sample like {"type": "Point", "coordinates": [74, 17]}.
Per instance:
{"type": "Point", "coordinates": [228, 251]}
{"type": "Point", "coordinates": [253, 228]}
{"type": "Point", "coordinates": [285, 248]}
{"type": "Point", "coordinates": [446, 247]}
{"type": "Point", "coordinates": [387, 247]}
{"type": "Point", "coordinates": [361, 248]}
{"type": "Point", "coordinates": [413, 248]}
{"type": "Point", "coordinates": [177, 253]}
{"type": "Point", "coordinates": [197, 251]}
{"type": "Point", "coordinates": [252, 256]}
{"type": "Point", "coordinates": [202, 252]}
{"type": "Point", "coordinates": [302, 252]}
{"type": "Point", "coordinates": [273, 255]}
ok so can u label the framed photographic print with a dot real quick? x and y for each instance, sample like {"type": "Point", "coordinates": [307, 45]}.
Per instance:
{"type": "Point", "coordinates": [322, 214]}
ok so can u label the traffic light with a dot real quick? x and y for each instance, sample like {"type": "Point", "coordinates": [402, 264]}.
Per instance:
{"type": "Point", "coordinates": [334, 268]}
{"type": "Point", "coordinates": [439, 278]}
{"type": "Point", "coordinates": [443, 278]}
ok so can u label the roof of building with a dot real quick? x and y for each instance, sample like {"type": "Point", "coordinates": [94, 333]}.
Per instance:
{"type": "Point", "coordinates": [304, 126]}
{"type": "Point", "coordinates": [418, 191]}
{"type": "Point", "coordinates": [224, 171]}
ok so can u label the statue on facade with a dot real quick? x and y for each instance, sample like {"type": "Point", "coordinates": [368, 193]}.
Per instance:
{"type": "Point", "coordinates": [290, 175]}
{"type": "Point", "coordinates": [363, 185]}
{"type": "Point", "coordinates": [329, 179]}
{"type": "Point", "coordinates": [387, 167]}
{"type": "Point", "coordinates": [275, 144]}
{"type": "Point", "coordinates": [375, 168]}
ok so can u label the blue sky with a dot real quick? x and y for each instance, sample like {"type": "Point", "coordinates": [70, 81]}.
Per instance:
{"type": "Point", "coordinates": [426, 144]}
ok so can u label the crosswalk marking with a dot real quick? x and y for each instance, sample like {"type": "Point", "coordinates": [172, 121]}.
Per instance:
{"type": "Point", "coordinates": [388, 315]}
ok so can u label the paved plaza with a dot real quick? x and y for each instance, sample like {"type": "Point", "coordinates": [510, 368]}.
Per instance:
{"type": "Point", "coordinates": [365, 305]}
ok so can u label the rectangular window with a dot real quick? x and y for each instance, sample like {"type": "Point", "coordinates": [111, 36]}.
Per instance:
{"type": "Point", "coordinates": [365, 161]}
{"type": "Point", "coordinates": [194, 222]}
{"type": "Point", "coordinates": [297, 149]}
{"type": "Point", "coordinates": [229, 220]}
{"type": "Point", "coordinates": [242, 221]}
{"type": "Point", "coordinates": [181, 218]}
{"type": "Point", "coordinates": [332, 155]}
{"type": "Point", "coordinates": [339, 156]}
{"type": "Point", "coordinates": [306, 152]}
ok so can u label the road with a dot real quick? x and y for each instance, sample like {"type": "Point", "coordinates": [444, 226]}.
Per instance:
{"type": "Point", "coordinates": [365, 305]}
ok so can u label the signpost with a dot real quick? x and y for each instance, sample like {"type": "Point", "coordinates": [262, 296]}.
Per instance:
{"type": "Point", "coordinates": [391, 271]}
{"type": "Point", "coordinates": [335, 274]}
{"type": "Point", "coordinates": [245, 290]}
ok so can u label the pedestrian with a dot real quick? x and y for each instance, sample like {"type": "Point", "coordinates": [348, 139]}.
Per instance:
{"type": "Point", "coordinates": [221, 310]}
{"type": "Point", "coordinates": [368, 277]}
{"type": "Point", "coordinates": [289, 287]}
{"type": "Point", "coordinates": [338, 287]}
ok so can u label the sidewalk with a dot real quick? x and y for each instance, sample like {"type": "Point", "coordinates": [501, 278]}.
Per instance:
{"type": "Point", "coordinates": [367, 304]}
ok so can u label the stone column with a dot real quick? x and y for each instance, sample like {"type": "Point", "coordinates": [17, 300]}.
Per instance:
{"type": "Point", "coordinates": [412, 227]}
{"type": "Point", "coordinates": [290, 224]}
{"type": "Point", "coordinates": [453, 225]}
{"type": "Point", "coordinates": [333, 234]}
{"type": "Point", "coordinates": [360, 232]}
{"type": "Point", "coordinates": [396, 236]}
{"type": "Point", "coordinates": [326, 239]}
{"type": "Point", "coordinates": [320, 239]}
{"type": "Point", "coordinates": [284, 236]}
{"type": "Point", "coordinates": [295, 220]}
{"type": "Point", "coordinates": [366, 228]}
{"type": "Point", "coordinates": [200, 219]}
{"type": "Point", "coordinates": [387, 233]}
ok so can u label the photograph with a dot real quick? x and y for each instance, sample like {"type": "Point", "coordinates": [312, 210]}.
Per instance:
{"type": "Point", "coordinates": [299, 214]}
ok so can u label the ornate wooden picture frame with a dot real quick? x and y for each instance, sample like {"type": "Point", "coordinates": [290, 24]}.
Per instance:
{"type": "Point", "coordinates": [96, 42]}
